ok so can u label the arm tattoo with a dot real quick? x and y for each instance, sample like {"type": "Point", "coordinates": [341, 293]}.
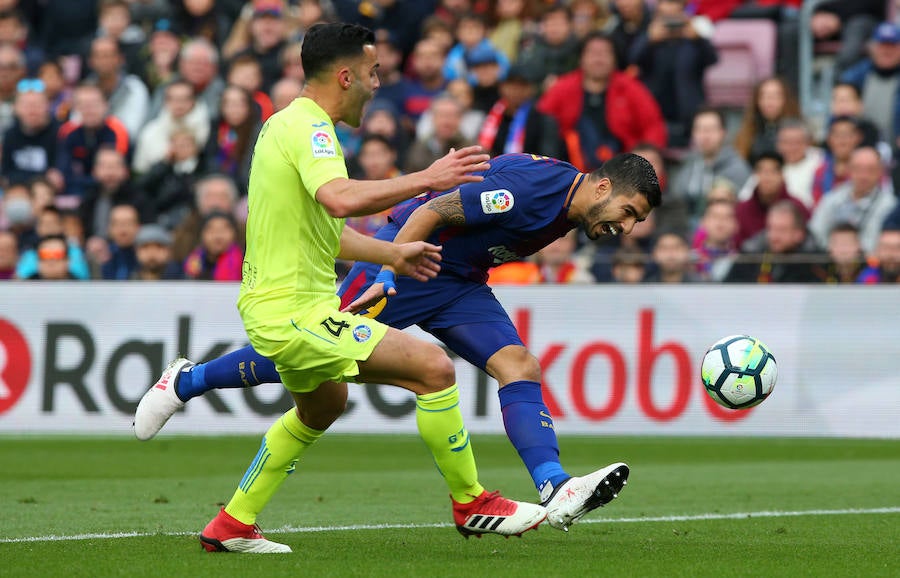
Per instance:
{"type": "Point", "coordinates": [450, 209]}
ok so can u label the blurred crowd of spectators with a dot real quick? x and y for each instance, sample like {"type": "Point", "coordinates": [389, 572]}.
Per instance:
{"type": "Point", "coordinates": [128, 126]}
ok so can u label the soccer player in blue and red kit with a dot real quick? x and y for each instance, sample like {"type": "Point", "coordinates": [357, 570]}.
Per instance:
{"type": "Point", "coordinates": [524, 203]}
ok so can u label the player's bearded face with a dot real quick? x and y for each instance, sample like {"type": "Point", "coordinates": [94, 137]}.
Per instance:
{"type": "Point", "coordinates": [616, 214]}
{"type": "Point", "coordinates": [357, 97]}
{"type": "Point", "coordinates": [364, 83]}
{"type": "Point", "coordinates": [595, 225]}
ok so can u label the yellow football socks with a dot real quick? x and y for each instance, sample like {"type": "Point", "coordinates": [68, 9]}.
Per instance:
{"type": "Point", "coordinates": [281, 447]}
{"type": "Point", "coordinates": [441, 427]}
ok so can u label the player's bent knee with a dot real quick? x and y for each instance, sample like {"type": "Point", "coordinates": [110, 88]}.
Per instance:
{"type": "Point", "coordinates": [530, 368]}
{"type": "Point", "coordinates": [440, 373]}
{"type": "Point", "coordinates": [320, 409]}
{"type": "Point", "coordinates": [321, 417]}
{"type": "Point", "coordinates": [514, 363]}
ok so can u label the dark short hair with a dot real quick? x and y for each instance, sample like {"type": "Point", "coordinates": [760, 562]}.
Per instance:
{"type": "Point", "coordinates": [844, 227]}
{"type": "Point", "coordinates": [373, 137]}
{"type": "Point", "coordinates": [768, 156]}
{"type": "Point", "coordinates": [325, 44]}
{"type": "Point", "coordinates": [212, 216]}
{"type": "Point", "coordinates": [629, 256]}
{"type": "Point", "coordinates": [12, 14]}
{"type": "Point", "coordinates": [709, 110]}
{"type": "Point", "coordinates": [40, 180]}
{"type": "Point", "coordinates": [54, 237]}
{"type": "Point", "coordinates": [849, 85]}
{"type": "Point", "coordinates": [51, 210]}
{"type": "Point", "coordinates": [127, 204]}
{"type": "Point", "coordinates": [631, 173]}
{"type": "Point", "coordinates": [243, 60]}
{"type": "Point", "coordinates": [844, 118]}
{"type": "Point", "coordinates": [473, 17]}
{"type": "Point", "coordinates": [106, 4]}
{"type": "Point", "coordinates": [557, 7]}
{"type": "Point", "coordinates": [113, 42]}
{"type": "Point", "coordinates": [53, 64]}
{"type": "Point", "coordinates": [671, 233]}
{"type": "Point", "coordinates": [792, 208]}
{"type": "Point", "coordinates": [596, 35]}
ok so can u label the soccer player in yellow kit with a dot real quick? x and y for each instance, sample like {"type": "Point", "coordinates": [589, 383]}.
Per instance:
{"type": "Point", "coordinates": [299, 195]}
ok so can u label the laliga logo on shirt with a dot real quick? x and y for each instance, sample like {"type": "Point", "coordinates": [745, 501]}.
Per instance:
{"type": "Point", "coordinates": [15, 365]}
{"type": "Point", "coordinates": [497, 201]}
{"type": "Point", "coordinates": [322, 139]}
{"type": "Point", "coordinates": [322, 144]}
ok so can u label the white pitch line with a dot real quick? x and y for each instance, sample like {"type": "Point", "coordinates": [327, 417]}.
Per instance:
{"type": "Point", "coordinates": [361, 527]}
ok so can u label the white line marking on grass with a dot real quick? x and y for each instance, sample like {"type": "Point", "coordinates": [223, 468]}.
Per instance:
{"type": "Point", "coordinates": [360, 527]}
{"type": "Point", "coordinates": [745, 515]}
{"type": "Point", "coordinates": [685, 518]}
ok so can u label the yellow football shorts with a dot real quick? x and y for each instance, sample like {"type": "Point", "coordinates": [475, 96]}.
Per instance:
{"type": "Point", "coordinates": [316, 345]}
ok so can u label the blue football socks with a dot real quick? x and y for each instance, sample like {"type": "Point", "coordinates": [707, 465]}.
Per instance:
{"type": "Point", "coordinates": [242, 368]}
{"type": "Point", "coordinates": [529, 427]}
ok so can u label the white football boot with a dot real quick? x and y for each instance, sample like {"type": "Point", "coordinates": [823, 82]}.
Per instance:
{"type": "Point", "coordinates": [160, 402]}
{"type": "Point", "coordinates": [572, 499]}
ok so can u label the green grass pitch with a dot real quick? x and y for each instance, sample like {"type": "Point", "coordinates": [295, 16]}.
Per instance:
{"type": "Point", "coordinates": [803, 508]}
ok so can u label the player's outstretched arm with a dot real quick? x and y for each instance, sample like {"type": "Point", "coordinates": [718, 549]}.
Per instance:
{"type": "Point", "coordinates": [439, 211]}
{"type": "Point", "coordinates": [352, 198]}
{"type": "Point", "coordinates": [418, 260]}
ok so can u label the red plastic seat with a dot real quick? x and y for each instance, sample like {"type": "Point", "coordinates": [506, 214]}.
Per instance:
{"type": "Point", "coordinates": [746, 55]}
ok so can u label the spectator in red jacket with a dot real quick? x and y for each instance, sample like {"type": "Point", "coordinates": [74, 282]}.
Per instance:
{"type": "Point", "coordinates": [80, 140]}
{"type": "Point", "coordinates": [600, 111]}
{"type": "Point", "coordinates": [715, 9]}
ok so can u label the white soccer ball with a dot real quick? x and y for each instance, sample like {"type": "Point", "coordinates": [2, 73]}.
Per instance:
{"type": "Point", "coordinates": [738, 372]}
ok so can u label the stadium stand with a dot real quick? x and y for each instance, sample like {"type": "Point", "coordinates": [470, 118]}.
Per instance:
{"type": "Point", "coordinates": [746, 56]}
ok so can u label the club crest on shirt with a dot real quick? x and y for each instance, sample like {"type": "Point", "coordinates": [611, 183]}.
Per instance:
{"type": "Point", "coordinates": [362, 333]}
{"type": "Point", "coordinates": [323, 144]}
{"type": "Point", "coordinates": [497, 201]}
